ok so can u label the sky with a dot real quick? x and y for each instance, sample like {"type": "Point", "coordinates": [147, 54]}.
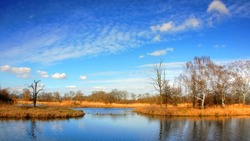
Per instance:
{"type": "Point", "coordinates": [92, 45]}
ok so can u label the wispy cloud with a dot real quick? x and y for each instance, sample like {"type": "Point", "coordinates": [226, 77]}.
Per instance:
{"type": "Point", "coordinates": [170, 65]}
{"type": "Point", "coordinates": [217, 11]}
{"type": "Point", "coordinates": [218, 7]}
{"type": "Point", "coordinates": [141, 56]}
{"type": "Point", "coordinates": [43, 74]}
{"type": "Point", "coordinates": [21, 72]}
{"type": "Point", "coordinates": [161, 52]}
{"type": "Point", "coordinates": [55, 45]}
{"type": "Point", "coordinates": [217, 46]}
{"type": "Point", "coordinates": [240, 9]}
{"type": "Point", "coordinates": [171, 27]}
{"type": "Point", "coordinates": [71, 87]}
{"type": "Point", "coordinates": [59, 76]}
{"type": "Point", "coordinates": [157, 38]}
{"type": "Point", "coordinates": [82, 77]}
{"type": "Point", "coordinates": [100, 88]}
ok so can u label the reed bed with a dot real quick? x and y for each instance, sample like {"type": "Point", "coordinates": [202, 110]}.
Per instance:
{"type": "Point", "coordinates": [26, 112]}
{"type": "Point", "coordinates": [194, 112]}
{"type": "Point", "coordinates": [86, 104]}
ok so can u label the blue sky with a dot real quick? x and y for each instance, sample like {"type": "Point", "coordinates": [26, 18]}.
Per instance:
{"type": "Point", "coordinates": [93, 45]}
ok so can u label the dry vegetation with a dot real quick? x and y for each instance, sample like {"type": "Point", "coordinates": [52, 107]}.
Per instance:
{"type": "Point", "coordinates": [44, 112]}
{"type": "Point", "coordinates": [184, 111]}
{"type": "Point", "coordinates": [85, 104]}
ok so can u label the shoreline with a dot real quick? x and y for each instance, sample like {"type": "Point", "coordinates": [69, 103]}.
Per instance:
{"type": "Point", "coordinates": [194, 112]}
{"type": "Point", "coordinates": [53, 110]}
{"type": "Point", "coordinates": [17, 112]}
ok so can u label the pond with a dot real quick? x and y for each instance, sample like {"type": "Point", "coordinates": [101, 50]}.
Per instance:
{"type": "Point", "coordinates": [123, 124]}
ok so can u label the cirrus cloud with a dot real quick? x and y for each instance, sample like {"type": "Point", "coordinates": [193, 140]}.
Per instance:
{"type": "Point", "coordinates": [170, 27]}
{"type": "Point", "coordinates": [161, 52]}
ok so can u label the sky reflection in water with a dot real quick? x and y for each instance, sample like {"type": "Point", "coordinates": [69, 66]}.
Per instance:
{"type": "Point", "coordinates": [123, 124]}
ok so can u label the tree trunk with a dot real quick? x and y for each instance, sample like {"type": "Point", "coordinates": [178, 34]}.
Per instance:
{"type": "Point", "coordinates": [34, 100]}
{"type": "Point", "coordinates": [193, 101]}
{"type": "Point", "coordinates": [223, 102]}
{"type": "Point", "coordinates": [203, 101]}
{"type": "Point", "coordinates": [244, 99]}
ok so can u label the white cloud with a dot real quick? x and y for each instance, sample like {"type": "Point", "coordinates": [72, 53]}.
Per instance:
{"type": "Point", "coordinates": [82, 77]}
{"type": "Point", "coordinates": [100, 88]}
{"type": "Point", "coordinates": [71, 87]}
{"type": "Point", "coordinates": [158, 53]}
{"type": "Point", "coordinates": [200, 45]}
{"type": "Point", "coordinates": [54, 45]}
{"type": "Point", "coordinates": [157, 38]}
{"type": "Point", "coordinates": [217, 46]}
{"type": "Point", "coordinates": [240, 9]}
{"type": "Point", "coordinates": [165, 27]}
{"type": "Point", "coordinates": [218, 6]}
{"type": "Point", "coordinates": [21, 72]}
{"type": "Point", "coordinates": [170, 27]}
{"type": "Point", "coordinates": [43, 74]}
{"type": "Point", "coordinates": [141, 56]}
{"type": "Point", "coordinates": [59, 76]}
{"type": "Point", "coordinates": [161, 52]}
{"type": "Point", "coordinates": [170, 49]}
{"type": "Point", "coordinates": [170, 65]}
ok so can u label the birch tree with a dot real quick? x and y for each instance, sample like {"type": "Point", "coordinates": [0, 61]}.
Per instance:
{"type": "Point", "coordinates": [241, 71]}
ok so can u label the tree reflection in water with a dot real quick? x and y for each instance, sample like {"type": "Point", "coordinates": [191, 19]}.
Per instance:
{"type": "Point", "coordinates": [202, 129]}
{"type": "Point", "coordinates": [33, 130]}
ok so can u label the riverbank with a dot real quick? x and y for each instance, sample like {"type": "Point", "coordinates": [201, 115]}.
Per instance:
{"type": "Point", "coordinates": [85, 104]}
{"type": "Point", "coordinates": [26, 112]}
{"type": "Point", "coordinates": [238, 110]}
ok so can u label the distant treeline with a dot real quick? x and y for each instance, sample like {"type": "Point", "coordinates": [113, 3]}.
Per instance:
{"type": "Point", "coordinates": [202, 83]}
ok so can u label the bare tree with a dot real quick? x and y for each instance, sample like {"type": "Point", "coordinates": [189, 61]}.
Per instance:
{"type": "Point", "coordinates": [220, 82]}
{"type": "Point", "coordinates": [167, 93]}
{"type": "Point", "coordinates": [197, 77]}
{"type": "Point", "coordinates": [35, 90]}
{"type": "Point", "coordinates": [26, 95]}
{"type": "Point", "coordinates": [159, 81]}
{"type": "Point", "coordinates": [241, 71]}
{"type": "Point", "coordinates": [57, 96]}
{"type": "Point", "coordinates": [189, 80]}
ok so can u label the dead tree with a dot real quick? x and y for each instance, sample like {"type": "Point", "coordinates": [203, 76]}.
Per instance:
{"type": "Point", "coordinates": [159, 80]}
{"type": "Point", "coordinates": [35, 90]}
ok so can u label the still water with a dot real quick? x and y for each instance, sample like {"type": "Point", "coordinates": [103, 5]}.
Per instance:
{"type": "Point", "coordinates": [123, 124]}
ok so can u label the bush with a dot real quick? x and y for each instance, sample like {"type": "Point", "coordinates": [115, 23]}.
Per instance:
{"type": "Point", "coordinates": [5, 96]}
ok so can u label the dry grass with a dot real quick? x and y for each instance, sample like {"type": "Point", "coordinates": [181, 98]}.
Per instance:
{"type": "Point", "coordinates": [234, 110]}
{"type": "Point", "coordinates": [85, 104]}
{"type": "Point", "coordinates": [24, 112]}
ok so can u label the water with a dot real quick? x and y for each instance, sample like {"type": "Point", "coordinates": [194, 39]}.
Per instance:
{"type": "Point", "coordinates": [123, 124]}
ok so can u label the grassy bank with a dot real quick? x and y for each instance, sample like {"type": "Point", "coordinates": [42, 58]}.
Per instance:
{"type": "Point", "coordinates": [193, 112]}
{"type": "Point", "coordinates": [10, 111]}
{"type": "Point", "coordinates": [85, 104]}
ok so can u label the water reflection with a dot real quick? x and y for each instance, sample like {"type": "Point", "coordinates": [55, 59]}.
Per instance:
{"type": "Point", "coordinates": [123, 124]}
{"type": "Point", "coordinates": [33, 130]}
{"type": "Point", "coordinates": [204, 129]}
